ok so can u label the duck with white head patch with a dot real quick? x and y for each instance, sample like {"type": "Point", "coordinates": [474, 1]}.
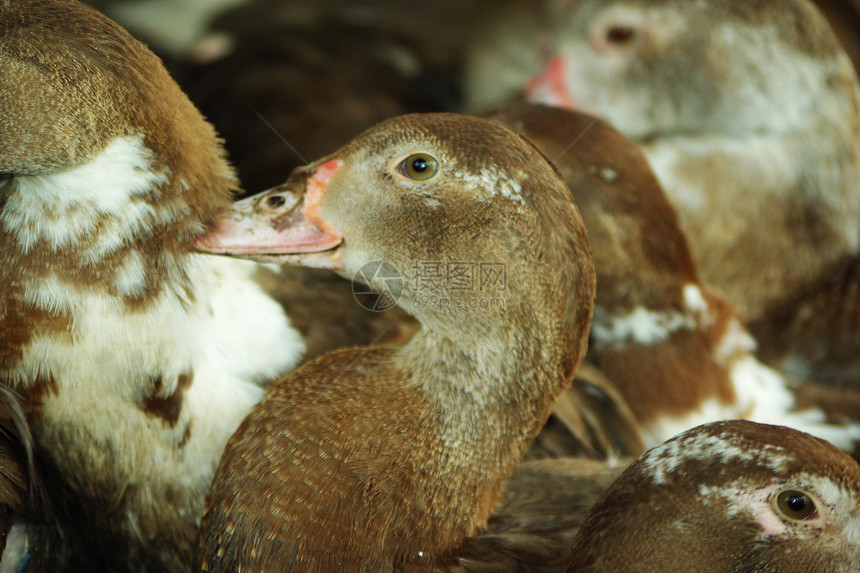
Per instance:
{"type": "Point", "coordinates": [725, 497]}
{"type": "Point", "coordinates": [728, 497]}
{"type": "Point", "coordinates": [388, 459]}
{"type": "Point", "coordinates": [136, 356]}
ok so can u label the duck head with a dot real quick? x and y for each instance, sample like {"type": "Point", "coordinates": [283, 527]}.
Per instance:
{"type": "Point", "coordinates": [453, 213]}
{"type": "Point", "coordinates": [730, 497]}
{"type": "Point", "coordinates": [674, 67]}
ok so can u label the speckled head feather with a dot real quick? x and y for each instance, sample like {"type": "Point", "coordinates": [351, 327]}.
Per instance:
{"type": "Point", "coordinates": [728, 497]}
{"type": "Point", "coordinates": [388, 459]}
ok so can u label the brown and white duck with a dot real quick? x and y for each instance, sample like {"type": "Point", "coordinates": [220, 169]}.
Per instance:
{"type": "Point", "coordinates": [388, 458]}
{"type": "Point", "coordinates": [750, 497]}
{"type": "Point", "coordinates": [677, 351]}
{"type": "Point", "coordinates": [728, 497]}
{"type": "Point", "coordinates": [749, 117]}
{"type": "Point", "coordinates": [136, 356]}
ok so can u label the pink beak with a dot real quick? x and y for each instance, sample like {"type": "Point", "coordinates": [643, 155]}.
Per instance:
{"type": "Point", "coordinates": [281, 224]}
{"type": "Point", "coordinates": [549, 86]}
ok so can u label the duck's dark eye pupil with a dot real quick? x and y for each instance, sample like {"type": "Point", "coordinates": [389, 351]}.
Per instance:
{"type": "Point", "coordinates": [796, 502]}
{"type": "Point", "coordinates": [620, 34]}
{"type": "Point", "coordinates": [419, 165]}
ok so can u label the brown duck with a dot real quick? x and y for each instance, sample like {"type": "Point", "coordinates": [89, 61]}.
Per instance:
{"type": "Point", "coordinates": [750, 118]}
{"type": "Point", "coordinates": [677, 351]}
{"type": "Point", "coordinates": [388, 459]}
{"type": "Point", "coordinates": [728, 497]}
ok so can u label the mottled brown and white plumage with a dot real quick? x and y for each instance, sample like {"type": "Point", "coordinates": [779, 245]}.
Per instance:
{"type": "Point", "coordinates": [387, 459]}
{"type": "Point", "coordinates": [136, 357]}
{"type": "Point", "coordinates": [728, 497]}
{"type": "Point", "coordinates": [676, 350]}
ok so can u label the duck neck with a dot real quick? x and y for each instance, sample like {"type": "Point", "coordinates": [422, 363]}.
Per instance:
{"type": "Point", "coordinates": [492, 380]}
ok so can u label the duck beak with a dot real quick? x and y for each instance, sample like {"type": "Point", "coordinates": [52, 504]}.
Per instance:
{"type": "Point", "coordinates": [281, 225]}
{"type": "Point", "coordinates": [549, 86]}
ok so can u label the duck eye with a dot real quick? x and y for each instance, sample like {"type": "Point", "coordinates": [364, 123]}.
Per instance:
{"type": "Point", "coordinates": [620, 34]}
{"type": "Point", "coordinates": [419, 167]}
{"type": "Point", "coordinates": [796, 505]}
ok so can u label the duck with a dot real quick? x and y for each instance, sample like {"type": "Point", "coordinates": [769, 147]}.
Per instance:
{"type": "Point", "coordinates": [388, 458]}
{"type": "Point", "coordinates": [727, 497]}
{"type": "Point", "coordinates": [757, 149]}
{"type": "Point", "coordinates": [676, 350]}
{"type": "Point", "coordinates": [136, 356]}
{"type": "Point", "coordinates": [753, 497]}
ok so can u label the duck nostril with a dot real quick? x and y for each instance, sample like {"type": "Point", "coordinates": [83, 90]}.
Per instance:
{"type": "Point", "coordinates": [275, 202]}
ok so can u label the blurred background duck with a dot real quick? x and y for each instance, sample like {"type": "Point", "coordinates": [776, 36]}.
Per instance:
{"type": "Point", "coordinates": [677, 351]}
{"type": "Point", "coordinates": [748, 114]}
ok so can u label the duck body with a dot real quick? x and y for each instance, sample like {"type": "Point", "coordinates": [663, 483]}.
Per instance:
{"type": "Point", "coordinates": [676, 350]}
{"type": "Point", "coordinates": [388, 459]}
{"type": "Point", "coordinates": [137, 358]}
{"type": "Point", "coordinates": [353, 497]}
